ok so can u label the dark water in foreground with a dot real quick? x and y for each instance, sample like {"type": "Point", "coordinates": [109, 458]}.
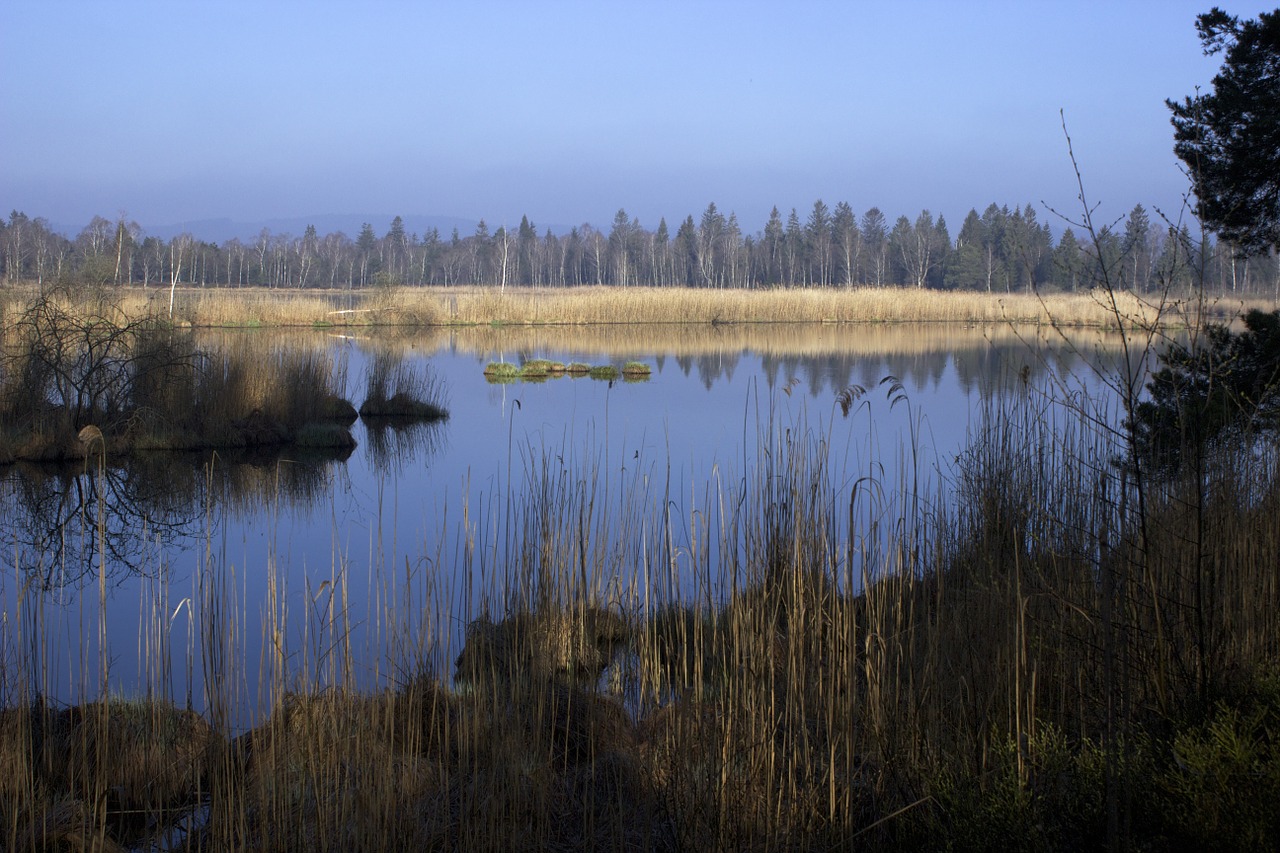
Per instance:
{"type": "Point", "coordinates": [273, 572]}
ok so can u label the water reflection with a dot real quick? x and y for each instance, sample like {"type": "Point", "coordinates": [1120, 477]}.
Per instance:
{"type": "Point", "coordinates": [440, 503]}
{"type": "Point", "coordinates": [392, 444]}
{"type": "Point", "coordinates": [63, 522]}
{"type": "Point", "coordinates": [827, 358]}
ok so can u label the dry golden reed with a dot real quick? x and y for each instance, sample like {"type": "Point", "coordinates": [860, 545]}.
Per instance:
{"type": "Point", "coordinates": [224, 307]}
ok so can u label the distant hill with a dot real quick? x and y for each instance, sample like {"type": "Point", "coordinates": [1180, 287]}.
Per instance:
{"type": "Point", "coordinates": [220, 230]}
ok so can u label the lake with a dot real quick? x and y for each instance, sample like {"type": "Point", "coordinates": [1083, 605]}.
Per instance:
{"type": "Point", "coordinates": [258, 573]}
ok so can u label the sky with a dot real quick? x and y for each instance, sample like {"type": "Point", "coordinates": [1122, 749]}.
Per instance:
{"type": "Point", "coordinates": [566, 112]}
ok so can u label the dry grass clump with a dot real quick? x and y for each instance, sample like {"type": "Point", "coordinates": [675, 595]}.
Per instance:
{"type": "Point", "coordinates": [340, 770]}
{"type": "Point", "coordinates": [576, 645]}
{"type": "Point", "coordinates": [101, 776]}
{"type": "Point", "coordinates": [143, 385]}
{"type": "Point", "coordinates": [254, 308]}
{"type": "Point", "coordinates": [157, 756]}
{"type": "Point", "coordinates": [394, 389]}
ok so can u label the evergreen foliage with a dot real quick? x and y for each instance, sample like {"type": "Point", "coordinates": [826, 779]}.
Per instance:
{"type": "Point", "coordinates": [1225, 383]}
{"type": "Point", "coordinates": [1229, 138]}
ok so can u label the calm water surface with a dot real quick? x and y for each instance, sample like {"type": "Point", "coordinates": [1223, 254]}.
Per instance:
{"type": "Point", "coordinates": [302, 570]}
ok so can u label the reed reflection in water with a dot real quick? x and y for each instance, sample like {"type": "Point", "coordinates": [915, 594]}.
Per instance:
{"type": "Point", "coordinates": [417, 531]}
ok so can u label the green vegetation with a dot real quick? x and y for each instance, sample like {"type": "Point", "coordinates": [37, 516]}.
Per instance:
{"type": "Point", "coordinates": [996, 249]}
{"type": "Point", "coordinates": [536, 369]}
{"type": "Point", "coordinates": [1229, 138]}
{"type": "Point", "coordinates": [635, 368]}
{"type": "Point", "coordinates": [1220, 382]}
{"type": "Point", "coordinates": [540, 370]}
{"type": "Point", "coordinates": [603, 371]}
{"type": "Point", "coordinates": [500, 369]}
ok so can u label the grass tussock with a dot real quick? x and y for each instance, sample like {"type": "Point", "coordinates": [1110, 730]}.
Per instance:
{"type": "Point", "coordinates": [636, 368]}
{"type": "Point", "coordinates": [573, 646]}
{"type": "Point", "coordinates": [394, 389]}
{"type": "Point", "coordinates": [104, 773]}
{"type": "Point", "coordinates": [537, 370]}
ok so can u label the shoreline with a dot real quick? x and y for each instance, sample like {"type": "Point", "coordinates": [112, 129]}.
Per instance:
{"type": "Point", "coordinates": [465, 307]}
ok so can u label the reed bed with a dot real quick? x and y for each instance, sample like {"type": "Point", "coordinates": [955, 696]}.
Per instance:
{"type": "Point", "coordinates": [79, 375]}
{"type": "Point", "coordinates": [603, 305]}
{"type": "Point", "coordinates": [1039, 662]}
{"type": "Point", "coordinates": [595, 305]}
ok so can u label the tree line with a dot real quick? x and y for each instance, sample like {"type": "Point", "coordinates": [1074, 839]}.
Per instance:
{"type": "Point", "coordinates": [1001, 250]}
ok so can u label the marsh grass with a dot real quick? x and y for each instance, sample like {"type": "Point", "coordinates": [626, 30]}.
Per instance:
{"type": "Point", "coordinates": [502, 370]}
{"type": "Point", "coordinates": [540, 370]}
{"type": "Point", "coordinates": [255, 308]}
{"type": "Point", "coordinates": [396, 389]}
{"type": "Point", "coordinates": [635, 368]}
{"type": "Point", "coordinates": [76, 369]}
{"type": "Point", "coordinates": [798, 663]}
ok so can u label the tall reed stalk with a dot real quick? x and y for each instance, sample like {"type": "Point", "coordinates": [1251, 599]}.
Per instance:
{"type": "Point", "coordinates": [785, 660]}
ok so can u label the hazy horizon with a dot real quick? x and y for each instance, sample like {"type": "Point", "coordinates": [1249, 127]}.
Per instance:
{"type": "Point", "coordinates": [566, 112]}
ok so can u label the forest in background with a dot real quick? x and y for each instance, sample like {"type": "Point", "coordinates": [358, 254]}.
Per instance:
{"type": "Point", "coordinates": [1001, 250]}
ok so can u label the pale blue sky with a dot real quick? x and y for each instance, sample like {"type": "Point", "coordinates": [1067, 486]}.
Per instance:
{"type": "Point", "coordinates": [176, 111]}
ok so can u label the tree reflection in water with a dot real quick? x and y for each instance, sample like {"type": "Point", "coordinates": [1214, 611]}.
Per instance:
{"type": "Point", "coordinates": [62, 522]}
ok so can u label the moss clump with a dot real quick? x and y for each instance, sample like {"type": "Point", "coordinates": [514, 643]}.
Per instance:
{"type": "Point", "coordinates": [501, 369]}
{"type": "Point", "coordinates": [533, 370]}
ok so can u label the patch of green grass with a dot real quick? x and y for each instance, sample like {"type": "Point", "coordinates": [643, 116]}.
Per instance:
{"type": "Point", "coordinates": [534, 369]}
{"type": "Point", "coordinates": [498, 369]}
{"type": "Point", "coordinates": [635, 368]}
